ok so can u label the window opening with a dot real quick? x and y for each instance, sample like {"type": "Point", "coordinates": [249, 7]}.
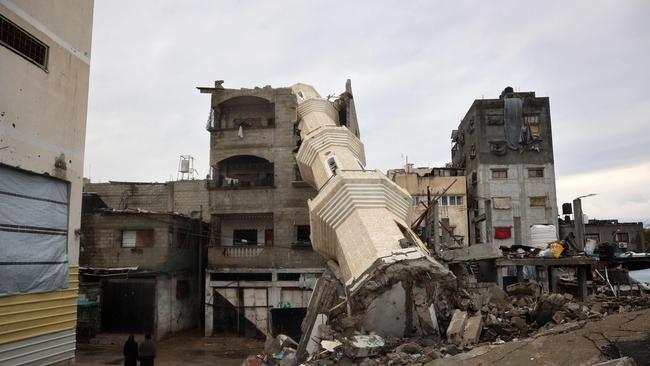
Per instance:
{"type": "Point", "coordinates": [21, 42]}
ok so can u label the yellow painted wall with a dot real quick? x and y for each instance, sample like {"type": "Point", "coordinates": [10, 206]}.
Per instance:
{"type": "Point", "coordinates": [30, 315]}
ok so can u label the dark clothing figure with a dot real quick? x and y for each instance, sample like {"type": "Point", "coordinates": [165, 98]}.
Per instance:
{"type": "Point", "coordinates": [130, 352]}
{"type": "Point", "coordinates": [147, 351]}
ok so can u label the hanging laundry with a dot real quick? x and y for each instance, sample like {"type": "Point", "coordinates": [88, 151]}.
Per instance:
{"type": "Point", "coordinates": [240, 133]}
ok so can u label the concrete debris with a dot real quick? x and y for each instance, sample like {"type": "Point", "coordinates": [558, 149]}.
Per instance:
{"type": "Point", "coordinates": [330, 345]}
{"type": "Point", "coordinates": [472, 330]}
{"type": "Point", "coordinates": [363, 346]}
{"type": "Point", "coordinates": [456, 327]}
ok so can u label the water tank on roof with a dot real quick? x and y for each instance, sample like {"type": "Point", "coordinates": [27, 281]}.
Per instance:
{"type": "Point", "coordinates": [185, 166]}
{"type": "Point", "coordinates": [567, 209]}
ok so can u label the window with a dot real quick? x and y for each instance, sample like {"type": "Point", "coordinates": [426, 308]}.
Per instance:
{"type": "Point", "coordinates": [331, 163]}
{"type": "Point", "coordinates": [533, 122]}
{"type": "Point", "coordinates": [537, 201]}
{"type": "Point", "coordinates": [288, 276]}
{"type": "Point", "coordinates": [499, 173]}
{"type": "Point", "coordinates": [451, 200]}
{"type": "Point", "coordinates": [472, 151]}
{"type": "Point", "coordinates": [137, 238]}
{"type": "Point", "coordinates": [18, 40]}
{"type": "Point", "coordinates": [623, 237]}
{"type": "Point", "coordinates": [302, 233]}
{"type": "Point", "coordinates": [536, 173]}
{"type": "Point", "coordinates": [244, 237]}
{"type": "Point", "coordinates": [501, 203]}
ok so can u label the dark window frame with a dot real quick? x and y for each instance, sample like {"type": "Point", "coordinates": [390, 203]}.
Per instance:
{"type": "Point", "coordinates": [496, 172]}
{"type": "Point", "coordinates": [535, 172]}
{"type": "Point", "coordinates": [11, 29]}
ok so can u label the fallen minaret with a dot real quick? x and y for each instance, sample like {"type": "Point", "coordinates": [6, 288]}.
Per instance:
{"type": "Point", "coordinates": [359, 223]}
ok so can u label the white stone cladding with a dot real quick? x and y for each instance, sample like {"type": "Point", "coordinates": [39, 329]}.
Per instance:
{"type": "Point", "coordinates": [359, 216]}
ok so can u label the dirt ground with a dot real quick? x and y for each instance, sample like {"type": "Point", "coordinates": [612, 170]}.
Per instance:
{"type": "Point", "coordinates": [618, 335]}
{"type": "Point", "coordinates": [181, 349]}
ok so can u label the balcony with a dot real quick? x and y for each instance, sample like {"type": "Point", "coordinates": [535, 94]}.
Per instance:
{"type": "Point", "coordinates": [242, 172]}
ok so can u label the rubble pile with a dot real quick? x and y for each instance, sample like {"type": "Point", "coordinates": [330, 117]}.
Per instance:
{"type": "Point", "coordinates": [483, 314]}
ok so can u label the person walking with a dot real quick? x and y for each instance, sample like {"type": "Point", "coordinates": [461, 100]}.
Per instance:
{"type": "Point", "coordinates": [147, 351]}
{"type": "Point", "coordinates": [130, 352]}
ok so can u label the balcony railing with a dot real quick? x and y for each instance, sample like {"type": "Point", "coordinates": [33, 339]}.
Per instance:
{"type": "Point", "coordinates": [267, 182]}
{"type": "Point", "coordinates": [241, 251]}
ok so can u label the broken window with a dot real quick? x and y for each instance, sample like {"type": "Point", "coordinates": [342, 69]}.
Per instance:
{"type": "Point", "coordinates": [501, 203]}
{"type": "Point", "coordinates": [499, 173]}
{"type": "Point", "coordinates": [470, 127]}
{"type": "Point", "coordinates": [244, 237]}
{"type": "Point", "coordinates": [472, 151]}
{"type": "Point", "coordinates": [137, 238]}
{"type": "Point", "coordinates": [21, 42]}
{"type": "Point", "coordinates": [502, 233]}
{"type": "Point", "coordinates": [536, 173]}
{"type": "Point", "coordinates": [537, 201]}
{"type": "Point", "coordinates": [623, 237]}
{"type": "Point", "coordinates": [533, 123]}
{"type": "Point", "coordinates": [331, 163]}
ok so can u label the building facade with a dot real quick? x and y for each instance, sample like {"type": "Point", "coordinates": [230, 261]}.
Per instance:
{"type": "Point", "coordinates": [141, 271]}
{"type": "Point", "coordinates": [45, 63]}
{"type": "Point", "coordinates": [261, 267]}
{"type": "Point", "coordinates": [451, 185]}
{"type": "Point", "coordinates": [609, 231]}
{"type": "Point", "coordinates": [505, 146]}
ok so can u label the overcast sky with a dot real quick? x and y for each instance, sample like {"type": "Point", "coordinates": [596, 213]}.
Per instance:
{"type": "Point", "coordinates": [415, 67]}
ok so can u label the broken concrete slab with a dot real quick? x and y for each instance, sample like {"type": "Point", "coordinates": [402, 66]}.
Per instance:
{"type": "Point", "coordinates": [363, 345]}
{"type": "Point", "coordinates": [330, 345]}
{"type": "Point", "coordinates": [472, 329]}
{"type": "Point", "coordinates": [456, 327]}
{"type": "Point", "coordinates": [472, 253]}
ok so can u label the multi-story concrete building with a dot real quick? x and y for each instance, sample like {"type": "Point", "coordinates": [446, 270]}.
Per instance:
{"type": "Point", "coordinates": [261, 267]}
{"type": "Point", "coordinates": [452, 205]}
{"type": "Point", "coordinates": [505, 146]}
{"type": "Point", "coordinates": [44, 69]}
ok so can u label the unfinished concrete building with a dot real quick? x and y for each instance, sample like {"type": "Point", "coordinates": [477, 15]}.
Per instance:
{"type": "Point", "coordinates": [505, 146]}
{"type": "Point", "coordinates": [261, 267]}
{"type": "Point", "coordinates": [45, 51]}
{"type": "Point", "coordinates": [450, 185]}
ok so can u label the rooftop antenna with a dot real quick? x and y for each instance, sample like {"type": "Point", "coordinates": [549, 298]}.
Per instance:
{"type": "Point", "coordinates": [186, 169]}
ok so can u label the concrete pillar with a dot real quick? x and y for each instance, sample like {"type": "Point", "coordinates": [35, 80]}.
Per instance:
{"type": "Point", "coordinates": [579, 222]}
{"type": "Point", "coordinates": [209, 308]}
